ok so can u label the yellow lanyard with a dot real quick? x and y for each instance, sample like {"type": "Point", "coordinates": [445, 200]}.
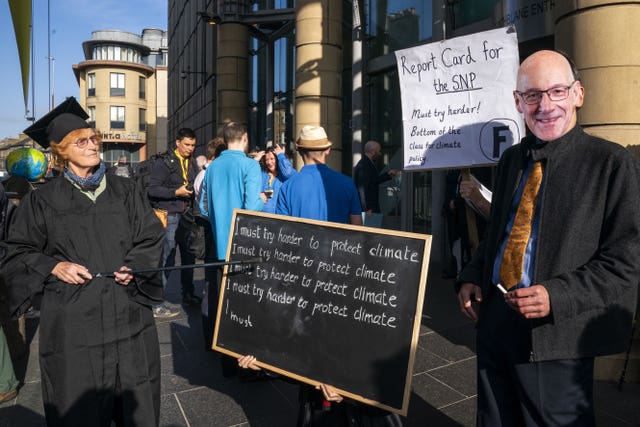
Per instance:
{"type": "Point", "coordinates": [184, 165]}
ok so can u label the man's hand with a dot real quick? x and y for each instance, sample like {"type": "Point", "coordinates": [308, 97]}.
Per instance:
{"type": "Point", "coordinates": [183, 192]}
{"type": "Point", "coordinates": [355, 219]}
{"type": "Point", "coordinates": [532, 302]}
{"type": "Point", "coordinates": [393, 172]}
{"type": "Point", "coordinates": [468, 293]}
{"type": "Point", "coordinates": [469, 190]}
{"type": "Point", "coordinates": [69, 272]}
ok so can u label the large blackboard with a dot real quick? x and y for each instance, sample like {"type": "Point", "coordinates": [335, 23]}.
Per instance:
{"type": "Point", "coordinates": [329, 303]}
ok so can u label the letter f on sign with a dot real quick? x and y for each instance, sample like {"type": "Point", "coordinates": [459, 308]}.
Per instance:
{"type": "Point", "coordinates": [498, 138]}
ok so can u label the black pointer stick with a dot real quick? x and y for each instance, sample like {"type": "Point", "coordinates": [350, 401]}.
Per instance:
{"type": "Point", "coordinates": [181, 267]}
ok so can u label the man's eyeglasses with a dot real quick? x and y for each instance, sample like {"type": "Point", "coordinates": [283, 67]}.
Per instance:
{"type": "Point", "coordinates": [558, 93]}
{"type": "Point", "coordinates": [82, 143]}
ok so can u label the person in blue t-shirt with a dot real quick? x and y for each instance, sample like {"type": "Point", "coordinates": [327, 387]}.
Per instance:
{"type": "Point", "coordinates": [317, 192]}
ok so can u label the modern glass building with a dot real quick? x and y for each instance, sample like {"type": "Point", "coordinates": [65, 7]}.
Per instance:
{"type": "Point", "coordinates": [123, 83]}
{"type": "Point", "coordinates": [279, 65]}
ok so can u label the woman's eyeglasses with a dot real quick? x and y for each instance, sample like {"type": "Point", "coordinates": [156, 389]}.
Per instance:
{"type": "Point", "coordinates": [82, 143]}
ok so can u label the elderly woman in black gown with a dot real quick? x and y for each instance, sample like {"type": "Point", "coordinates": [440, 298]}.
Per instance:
{"type": "Point", "coordinates": [99, 353]}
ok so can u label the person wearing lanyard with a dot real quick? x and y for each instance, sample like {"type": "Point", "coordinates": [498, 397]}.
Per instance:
{"type": "Point", "coordinates": [557, 276]}
{"type": "Point", "coordinates": [171, 188]}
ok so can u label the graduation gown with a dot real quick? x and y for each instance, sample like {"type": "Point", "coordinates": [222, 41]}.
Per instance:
{"type": "Point", "coordinates": [98, 340]}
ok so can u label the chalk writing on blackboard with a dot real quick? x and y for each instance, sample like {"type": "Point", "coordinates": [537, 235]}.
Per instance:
{"type": "Point", "coordinates": [329, 303]}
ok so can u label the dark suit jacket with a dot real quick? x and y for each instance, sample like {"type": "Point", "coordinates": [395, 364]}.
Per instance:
{"type": "Point", "coordinates": [588, 250]}
{"type": "Point", "coordinates": [367, 181]}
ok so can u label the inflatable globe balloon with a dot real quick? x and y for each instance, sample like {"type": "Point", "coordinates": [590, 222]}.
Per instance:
{"type": "Point", "coordinates": [28, 163]}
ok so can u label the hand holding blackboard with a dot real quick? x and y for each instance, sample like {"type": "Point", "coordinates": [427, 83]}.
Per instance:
{"type": "Point", "coordinates": [248, 362]}
{"type": "Point", "coordinates": [329, 393]}
{"type": "Point", "coordinates": [331, 304]}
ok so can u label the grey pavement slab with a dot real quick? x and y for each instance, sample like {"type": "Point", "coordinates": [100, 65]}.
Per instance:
{"type": "Point", "coordinates": [195, 394]}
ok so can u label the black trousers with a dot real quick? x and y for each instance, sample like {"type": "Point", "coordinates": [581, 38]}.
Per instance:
{"type": "Point", "coordinates": [213, 277]}
{"type": "Point", "coordinates": [512, 391]}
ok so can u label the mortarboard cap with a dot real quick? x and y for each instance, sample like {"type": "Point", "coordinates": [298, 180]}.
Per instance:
{"type": "Point", "coordinates": [55, 125]}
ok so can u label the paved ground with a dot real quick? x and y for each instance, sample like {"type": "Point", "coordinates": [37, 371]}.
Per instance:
{"type": "Point", "coordinates": [194, 392]}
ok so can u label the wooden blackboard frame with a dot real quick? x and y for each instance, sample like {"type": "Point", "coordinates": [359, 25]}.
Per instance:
{"type": "Point", "coordinates": [417, 315]}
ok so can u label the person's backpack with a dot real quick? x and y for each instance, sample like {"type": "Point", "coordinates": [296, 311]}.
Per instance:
{"type": "Point", "coordinates": [142, 172]}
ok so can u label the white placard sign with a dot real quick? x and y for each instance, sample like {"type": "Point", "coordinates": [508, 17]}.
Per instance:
{"type": "Point", "coordinates": [457, 104]}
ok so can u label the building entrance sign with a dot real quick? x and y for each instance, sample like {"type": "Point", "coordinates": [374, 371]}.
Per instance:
{"type": "Point", "coordinates": [533, 19]}
{"type": "Point", "coordinates": [129, 137]}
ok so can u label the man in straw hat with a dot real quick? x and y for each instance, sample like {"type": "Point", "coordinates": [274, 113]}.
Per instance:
{"type": "Point", "coordinates": [317, 192]}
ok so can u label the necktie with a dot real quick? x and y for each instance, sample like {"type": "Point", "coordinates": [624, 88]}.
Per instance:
{"type": "Point", "coordinates": [513, 257]}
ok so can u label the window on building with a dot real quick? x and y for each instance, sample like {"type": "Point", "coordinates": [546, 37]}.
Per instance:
{"type": "Point", "coordinates": [111, 152]}
{"type": "Point", "coordinates": [395, 25]}
{"type": "Point", "coordinates": [92, 116]}
{"type": "Point", "coordinates": [466, 12]}
{"type": "Point", "coordinates": [115, 53]}
{"type": "Point", "coordinates": [142, 87]}
{"type": "Point", "coordinates": [412, 196]}
{"type": "Point", "coordinates": [117, 117]}
{"type": "Point", "coordinates": [280, 122]}
{"type": "Point", "coordinates": [142, 120]}
{"type": "Point", "coordinates": [91, 84]}
{"type": "Point", "coordinates": [117, 84]}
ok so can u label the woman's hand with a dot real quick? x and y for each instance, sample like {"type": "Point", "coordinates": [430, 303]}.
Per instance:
{"type": "Point", "coordinates": [71, 273]}
{"type": "Point", "coordinates": [248, 362]}
{"type": "Point", "coordinates": [330, 393]}
{"type": "Point", "coordinates": [278, 149]}
{"type": "Point", "coordinates": [123, 277]}
{"type": "Point", "coordinates": [257, 155]}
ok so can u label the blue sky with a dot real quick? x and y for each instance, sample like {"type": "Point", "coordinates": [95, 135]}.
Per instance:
{"type": "Point", "coordinates": [72, 22]}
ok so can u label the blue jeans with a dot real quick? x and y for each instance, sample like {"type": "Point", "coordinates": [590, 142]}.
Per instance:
{"type": "Point", "coordinates": [169, 255]}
